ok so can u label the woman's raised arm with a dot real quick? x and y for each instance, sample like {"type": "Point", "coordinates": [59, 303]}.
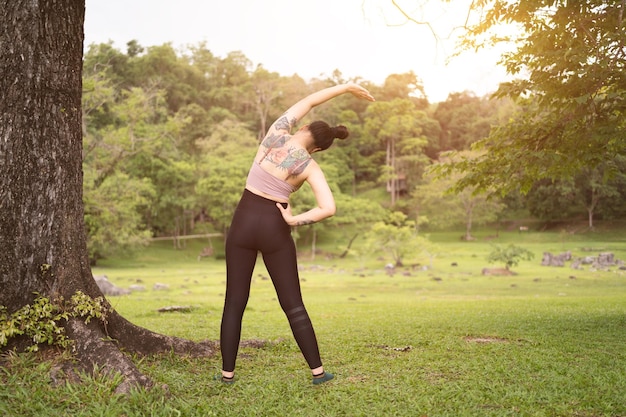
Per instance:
{"type": "Point", "coordinates": [296, 112]}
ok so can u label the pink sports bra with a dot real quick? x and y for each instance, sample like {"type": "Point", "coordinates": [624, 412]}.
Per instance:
{"type": "Point", "coordinates": [265, 182]}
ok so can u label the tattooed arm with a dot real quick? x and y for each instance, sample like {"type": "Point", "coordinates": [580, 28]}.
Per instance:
{"type": "Point", "coordinates": [296, 112]}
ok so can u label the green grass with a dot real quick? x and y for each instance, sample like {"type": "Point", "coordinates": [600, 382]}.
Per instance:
{"type": "Point", "coordinates": [445, 341]}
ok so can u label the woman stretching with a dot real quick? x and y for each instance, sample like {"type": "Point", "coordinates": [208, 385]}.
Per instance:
{"type": "Point", "coordinates": [263, 219]}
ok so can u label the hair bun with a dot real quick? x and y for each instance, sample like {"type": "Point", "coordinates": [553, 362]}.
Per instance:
{"type": "Point", "coordinates": [340, 132]}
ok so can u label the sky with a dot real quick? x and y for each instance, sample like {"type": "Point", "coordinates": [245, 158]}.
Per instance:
{"type": "Point", "coordinates": [369, 39]}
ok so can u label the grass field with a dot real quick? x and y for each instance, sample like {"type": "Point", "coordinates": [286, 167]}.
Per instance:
{"type": "Point", "coordinates": [437, 341]}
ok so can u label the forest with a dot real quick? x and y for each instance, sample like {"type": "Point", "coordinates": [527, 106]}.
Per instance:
{"type": "Point", "coordinates": [105, 150]}
{"type": "Point", "coordinates": [169, 135]}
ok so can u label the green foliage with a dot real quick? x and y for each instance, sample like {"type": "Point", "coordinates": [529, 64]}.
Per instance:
{"type": "Point", "coordinates": [39, 322]}
{"type": "Point", "coordinates": [130, 161]}
{"type": "Point", "coordinates": [175, 126]}
{"type": "Point", "coordinates": [571, 95]}
{"type": "Point", "coordinates": [112, 217]}
{"type": "Point", "coordinates": [397, 236]}
{"type": "Point", "coordinates": [222, 169]}
{"type": "Point", "coordinates": [401, 129]}
{"type": "Point", "coordinates": [83, 306]}
{"type": "Point", "coordinates": [354, 217]}
{"type": "Point", "coordinates": [465, 119]}
{"type": "Point", "coordinates": [42, 321]}
{"type": "Point", "coordinates": [509, 255]}
{"type": "Point", "coordinates": [593, 192]}
{"type": "Point", "coordinates": [443, 208]}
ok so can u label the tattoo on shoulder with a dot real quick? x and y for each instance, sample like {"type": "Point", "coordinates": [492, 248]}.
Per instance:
{"type": "Point", "coordinates": [274, 141]}
{"type": "Point", "coordinates": [284, 123]}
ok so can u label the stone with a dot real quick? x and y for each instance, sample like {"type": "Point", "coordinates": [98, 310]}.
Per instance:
{"type": "Point", "coordinates": [108, 288]}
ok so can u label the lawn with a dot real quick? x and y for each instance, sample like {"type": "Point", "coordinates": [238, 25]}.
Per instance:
{"type": "Point", "coordinates": [435, 338]}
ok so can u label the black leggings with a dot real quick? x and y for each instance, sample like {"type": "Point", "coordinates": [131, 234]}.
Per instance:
{"type": "Point", "coordinates": [259, 226]}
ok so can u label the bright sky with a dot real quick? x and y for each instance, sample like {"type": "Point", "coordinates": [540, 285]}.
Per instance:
{"type": "Point", "coordinates": [365, 38]}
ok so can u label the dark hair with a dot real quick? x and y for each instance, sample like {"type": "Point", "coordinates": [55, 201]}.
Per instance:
{"type": "Point", "coordinates": [324, 135]}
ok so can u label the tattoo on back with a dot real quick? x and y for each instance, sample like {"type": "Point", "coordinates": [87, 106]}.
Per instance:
{"type": "Point", "coordinates": [295, 162]}
{"type": "Point", "coordinates": [291, 159]}
{"type": "Point", "coordinates": [274, 141]}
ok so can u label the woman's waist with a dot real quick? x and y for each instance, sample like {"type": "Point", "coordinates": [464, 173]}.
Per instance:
{"type": "Point", "coordinates": [270, 198]}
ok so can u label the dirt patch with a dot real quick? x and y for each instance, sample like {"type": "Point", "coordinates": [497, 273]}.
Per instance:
{"type": "Point", "coordinates": [397, 349]}
{"type": "Point", "coordinates": [497, 271]}
{"type": "Point", "coordinates": [485, 339]}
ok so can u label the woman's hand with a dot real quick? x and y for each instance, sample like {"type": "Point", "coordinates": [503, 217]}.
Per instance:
{"type": "Point", "coordinates": [302, 107]}
{"type": "Point", "coordinates": [286, 212]}
{"type": "Point", "coordinates": [360, 92]}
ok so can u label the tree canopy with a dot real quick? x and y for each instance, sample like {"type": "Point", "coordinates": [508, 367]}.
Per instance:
{"type": "Point", "coordinates": [570, 57]}
{"type": "Point", "coordinates": [184, 124]}
{"type": "Point", "coordinates": [198, 103]}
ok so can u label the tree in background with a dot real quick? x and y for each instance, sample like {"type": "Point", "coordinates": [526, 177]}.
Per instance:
{"type": "Point", "coordinates": [406, 85]}
{"type": "Point", "coordinates": [222, 171]}
{"type": "Point", "coordinates": [552, 200]}
{"type": "Point", "coordinates": [267, 89]}
{"type": "Point", "coordinates": [397, 236]}
{"type": "Point", "coordinates": [591, 192]}
{"type": "Point", "coordinates": [112, 215]}
{"type": "Point", "coordinates": [572, 60]}
{"type": "Point", "coordinates": [465, 118]}
{"type": "Point", "coordinates": [443, 209]}
{"type": "Point", "coordinates": [134, 147]}
{"type": "Point", "coordinates": [398, 125]}
{"type": "Point", "coordinates": [509, 255]}
{"type": "Point", "coordinates": [354, 217]}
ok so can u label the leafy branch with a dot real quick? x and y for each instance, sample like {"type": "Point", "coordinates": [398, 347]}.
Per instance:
{"type": "Point", "coordinates": [42, 322]}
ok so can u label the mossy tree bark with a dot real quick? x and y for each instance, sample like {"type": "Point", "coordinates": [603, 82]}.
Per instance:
{"type": "Point", "coordinates": [42, 236]}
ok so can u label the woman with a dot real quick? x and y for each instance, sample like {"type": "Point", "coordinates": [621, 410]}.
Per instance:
{"type": "Point", "coordinates": [263, 219]}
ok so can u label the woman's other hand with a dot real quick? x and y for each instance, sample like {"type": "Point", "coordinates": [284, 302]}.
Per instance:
{"type": "Point", "coordinates": [360, 92]}
{"type": "Point", "coordinates": [286, 212]}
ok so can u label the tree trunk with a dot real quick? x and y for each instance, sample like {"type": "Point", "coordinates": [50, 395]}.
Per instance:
{"type": "Point", "coordinates": [394, 179]}
{"type": "Point", "coordinates": [468, 226]}
{"type": "Point", "coordinates": [595, 197]}
{"type": "Point", "coordinates": [42, 237]}
{"type": "Point", "coordinates": [590, 218]}
{"type": "Point", "coordinates": [469, 215]}
{"type": "Point", "coordinates": [391, 171]}
{"type": "Point", "coordinates": [347, 250]}
{"type": "Point", "coordinates": [313, 242]}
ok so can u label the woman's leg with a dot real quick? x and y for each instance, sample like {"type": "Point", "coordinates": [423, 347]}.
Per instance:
{"type": "Point", "coordinates": [283, 269]}
{"type": "Point", "coordinates": [238, 277]}
{"type": "Point", "coordinates": [240, 261]}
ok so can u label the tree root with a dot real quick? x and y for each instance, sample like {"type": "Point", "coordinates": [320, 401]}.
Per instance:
{"type": "Point", "coordinates": [95, 350]}
{"type": "Point", "coordinates": [141, 341]}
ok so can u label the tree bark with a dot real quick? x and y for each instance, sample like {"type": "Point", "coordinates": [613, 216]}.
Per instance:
{"type": "Point", "coordinates": [40, 62]}
{"type": "Point", "coordinates": [43, 246]}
